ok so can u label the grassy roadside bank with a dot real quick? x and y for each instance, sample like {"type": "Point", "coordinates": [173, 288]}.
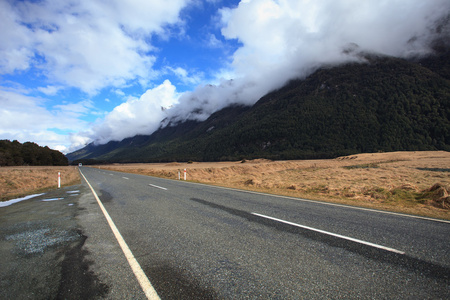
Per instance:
{"type": "Point", "coordinates": [409, 182]}
{"type": "Point", "coordinates": [17, 182]}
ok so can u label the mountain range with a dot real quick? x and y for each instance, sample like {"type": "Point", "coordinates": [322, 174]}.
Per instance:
{"type": "Point", "coordinates": [383, 104]}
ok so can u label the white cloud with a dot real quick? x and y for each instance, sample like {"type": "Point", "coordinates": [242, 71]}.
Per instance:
{"type": "Point", "coordinates": [25, 119]}
{"type": "Point", "coordinates": [15, 48]}
{"type": "Point", "coordinates": [119, 92]}
{"type": "Point", "coordinates": [291, 37]}
{"type": "Point", "coordinates": [207, 99]}
{"type": "Point", "coordinates": [282, 40]}
{"type": "Point", "coordinates": [93, 44]}
{"type": "Point", "coordinates": [213, 42]}
{"type": "Point", "coordinates": [186, 77]}
{"type": "Point", "coordinates": [135, 116]}
{"type": "Point", "coordinates": [50, 90]}
{"type": "Point", "coordinates": [75, 110]}
{"type": "Point", "coordinates": [82, 43]}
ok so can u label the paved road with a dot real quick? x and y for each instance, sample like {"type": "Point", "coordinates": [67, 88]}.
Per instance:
{"type": "Point", "coordinates": [197, 241]}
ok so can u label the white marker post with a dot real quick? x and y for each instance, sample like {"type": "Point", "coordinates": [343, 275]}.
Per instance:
{"type": "Point", "coordinates": [179, 176]}
{"type": "Point", "coordinates": [59, 180]}
{"type": "Point", "coordinates": [184, 174]}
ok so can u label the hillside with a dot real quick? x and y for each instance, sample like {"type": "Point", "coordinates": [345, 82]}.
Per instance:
{"type": "Point", "coordinates": [29, 154]}
{"type": "Point", "coordinates": [387, 104]}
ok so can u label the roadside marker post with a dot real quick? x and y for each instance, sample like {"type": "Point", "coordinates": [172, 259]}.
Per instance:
{"type": "Point", "coordinates": [59, 180]}
{"type": "Point", "coordinates": [184, 174]}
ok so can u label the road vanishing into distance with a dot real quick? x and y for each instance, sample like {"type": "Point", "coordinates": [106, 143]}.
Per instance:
{"type": "Point", "coordinates": [147, 237]}
{"type": "Point", "coordinates": [199, 241]}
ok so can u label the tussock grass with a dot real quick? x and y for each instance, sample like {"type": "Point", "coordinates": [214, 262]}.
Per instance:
{"type": "Point", "coordinates": [396, 181]}
{"type": "Point", "coordinates": [21, 181]}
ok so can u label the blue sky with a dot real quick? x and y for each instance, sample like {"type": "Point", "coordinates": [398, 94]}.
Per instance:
{"type": "Point", "coordinates": [80, 71]}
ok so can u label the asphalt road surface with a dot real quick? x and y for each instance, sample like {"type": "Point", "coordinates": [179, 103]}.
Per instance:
{"type": "Point", "coordinates": [194, 241]}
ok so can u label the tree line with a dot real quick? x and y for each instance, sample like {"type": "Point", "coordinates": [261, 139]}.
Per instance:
{"type": "Point", "coordinates": [29, 154]}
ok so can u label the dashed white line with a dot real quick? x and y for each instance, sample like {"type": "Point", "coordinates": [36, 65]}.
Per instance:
{"type": "Point", "coordinates": [331, 234]}
{"type": "Point", "coordinates": [159, 187]}
{"type": "Point", "coordinates": [125, 178]}
{"type": "Point", "coordinates": [143, 280]}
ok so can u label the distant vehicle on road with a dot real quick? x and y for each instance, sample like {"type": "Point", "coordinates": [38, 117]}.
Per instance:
{"type": "Point", "coordinates": [80, 164]}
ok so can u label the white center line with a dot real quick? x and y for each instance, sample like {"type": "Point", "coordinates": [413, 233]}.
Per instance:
{"type": "Point", "coordinates": [159, 187]}
{"type": "Point", "coordinates": [332, 234]}
{"type": "Point", "coordinates": [143, 280]}
{"type": "Point", "coordinates": [126, 178]}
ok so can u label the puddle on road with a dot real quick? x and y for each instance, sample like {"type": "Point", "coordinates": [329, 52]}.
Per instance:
{"type": "Point", "coordinates": [12, 201]}
{"type": "Point", "coordinates": [9, 202]}
{"type": "Point", "coordinates": [52, 199]}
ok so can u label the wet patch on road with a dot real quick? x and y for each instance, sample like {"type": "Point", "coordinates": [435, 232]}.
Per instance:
{"type": "Point", "coordinates": [172, 283]}
{"type": "Point", "coordinates": [12, 201]}
{"type": "Point", "coordinates": [41, 250]}
{"type": "Point", "coordinates": [73, 193]}
{"type": "Point", "coordinates": [52, 199]}
{"type": "Point", "coordinates": [77, 281]}
{"type": "Point", "coordinates": [105, 197]}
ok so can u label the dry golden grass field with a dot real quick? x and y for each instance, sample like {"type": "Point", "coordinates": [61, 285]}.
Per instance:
{"type": "Point", "coordinates": [409, 182]}
{"type": "Point", "coordinates": [21, 181]}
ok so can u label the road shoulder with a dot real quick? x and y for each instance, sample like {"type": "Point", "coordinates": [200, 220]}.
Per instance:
{"type": "Point", "coordinates": [57, 246]}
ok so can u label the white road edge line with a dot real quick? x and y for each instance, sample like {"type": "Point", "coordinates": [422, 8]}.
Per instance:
{"type": "Point", "coordinates": [332, 234]}
{"type": "Point", "coordinates": [143, 280]}
{"type": "Point", "coordinates": [159, 187]}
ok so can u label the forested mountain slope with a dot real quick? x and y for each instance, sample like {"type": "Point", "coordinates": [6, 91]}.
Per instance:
{"type": "Point", "coordinates": [387, 104]}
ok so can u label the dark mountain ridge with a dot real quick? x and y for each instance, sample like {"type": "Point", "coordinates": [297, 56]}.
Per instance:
{"type": "Point", "coordinates": [386, 104]}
